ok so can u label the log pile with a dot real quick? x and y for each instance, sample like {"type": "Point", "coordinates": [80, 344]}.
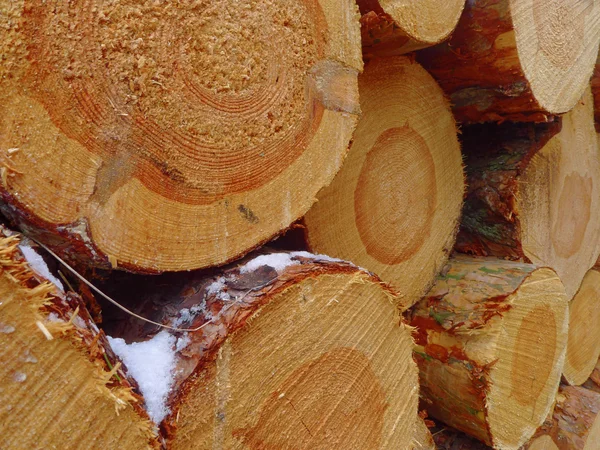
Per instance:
{"type": "Point", "coordinates": [426, 175]}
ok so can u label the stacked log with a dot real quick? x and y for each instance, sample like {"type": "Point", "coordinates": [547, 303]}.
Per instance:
{"type": "Point", "coordinates": [60, 384]}
{"type": "Point", "coordinates": [574, 424]}
{"type": "Point", "coordinates": [533, 193]}
{"type": "Point", "coordinates": [583, 348]}
{"type": "Point", "coordinates": [135, 138]}
{"type": "Point", "coordinates": [517, 60]}
{"type": "Point", "coordinates": [290, 351]}
{"type": "Point", "coordinates": [396, 27]}
{"type": "Point", "coordinates": [490, 345]}
{"type": "Point", "coordinates": [423, 440]}
{"type": "Point", "coordinates": [394, 206]}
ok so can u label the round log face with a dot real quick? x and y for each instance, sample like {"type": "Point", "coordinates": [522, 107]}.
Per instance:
{"type": "Point", "coordinates": [397, 27]}
{"type": "Point", "coordinates": [309, 370]}
{"type": "Point", "coordinates": [55, 389]}
{"type": "Point", "coordinates": [192, 127]}
{"type": "Point", "coordinates": [427, 21]}
{"type": "Point", "coordinates": [583, 348]}
{"type": "Point", "coordinates": [491, 339]}
{"type": "Point", "coordinates": [557, 43]}
{"type": "Point", "coordinates": [542, 443]}
{"type": "Point", "coordinates": [394, 206]}
{"type": "Point", "coordinates": [559, 199]}
{"type": "Point", "coordinates": [530, 353]}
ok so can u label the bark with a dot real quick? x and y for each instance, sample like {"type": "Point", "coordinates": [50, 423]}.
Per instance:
{"type": "Point", "coordinates": [573, 424]}
{"type": "Point", "coordinates": [132, 132]}
{"type": "Point", "coordinates": [391, 28]}
{"type": "Point", "coordinates": [278, 360]}
{"type": "Point", "coordinates": [473, 330]}
{"type": "Point", "coordinates": [61, 385]}
{"type": "Point", "coordinates": [532, 194]}
{"type": "Point", "coordinates": [499, 65]}
{"type": "Point", "coordinates": [495, 159]}
{"type": "Point", "coordinates": [595, 85]}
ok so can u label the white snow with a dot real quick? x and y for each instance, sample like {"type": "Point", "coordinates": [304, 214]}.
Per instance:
{"type": "Point", "coordinates": [277, 261]}
{"type": "Point", "coordinates": [38, 264]}
{"type": "Point", "coordinates": [280, 261]}
{"type": "Point", "coordinates": [53, 317]}
{"type": "Point", "coordinates": [318, 257]}
{"type": "Point", "coordinates": [216, 287]}
{"type": "Point", "coordinates": [151, 363]}
{"type": "Point", "coordinates": [182, 342]}
{"type": "Point", "coordinates": [186, 315]}
{"type": "Point", "coordinates": [79, 322]}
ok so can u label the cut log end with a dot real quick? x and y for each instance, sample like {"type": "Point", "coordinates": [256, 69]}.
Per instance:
{"type": "Point", "coordinates": [319, 387]}
{"type": "Point", "coordinates": [533, 195]}
{"type": "Point", "coordinates": [58, 388]}
{"type": "Point", "coordinates": [291, 350]}
{"type": "Point", "coordinates": [583, 348]}
{"type": "Point", "coordinates": [395, 27]}
{"type": "Point", "coordinates": [557, 43]}
{"type": "Point", "coordinates": [488, 367]}
{"type": "Point", "coordinates": [542, 443]}
{"type": "Point", "coordinates": [394, 206]}
{"type": "Point", "coordinates": [574, 423]}
{"type": "Point", "coordinates": [566, 173]}
{"type": "Point", "coordinates": [517, 60]}
{"type": "Point", "coordinates": [127, 110]}
{"type": "Point", "coordinates": [423, 439]}
{"type": "Point", "coordinates": [530, 355]}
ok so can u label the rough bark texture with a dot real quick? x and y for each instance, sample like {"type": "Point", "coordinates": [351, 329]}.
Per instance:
{"type": "Point", "coordinates": [533, 193]}
{"type": "Point", "coordinates": [495, 158]}
{"type": "Point", "coordinates": [240, 382]}
{"type": "Point", "coordinates": [397, 27]}
{"type": "Point", "coordinates": [494, 71]}
{"type": "Point", "coordinates": [450, 439]}
{"type": "Point", "coordinates": [575, 424]}
{"type": "Point", "coordinates": [595, 85]}
{"type": "Point", "coordinates": [473, 329]}
{"type": "Point", "coordinates": [61, 385]}
{"type": "Point", "coordinates": [116, 124]}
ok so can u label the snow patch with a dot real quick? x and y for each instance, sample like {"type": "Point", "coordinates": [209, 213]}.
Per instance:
{"type": "Point", "coordinates": [277, 261]}
{"type": "Point", "coordinates": [186, 315]}
{"type": "Point", "coordinates": [28, 357]}
{"type": "Point", "coordinates": [37, 263]}
{"type": "Point", "coordinates": [53, 317]}
{"type": "Point", "coordinates": [318, 257]}
{"type": "Point", "coordinates": [216, 287]}
{"type": "Point", "coordinates": [183, 342]}
{"type": "Point", "coordinates": [79, 322]}
{"type": "Point", "coordinates": [151, 364]}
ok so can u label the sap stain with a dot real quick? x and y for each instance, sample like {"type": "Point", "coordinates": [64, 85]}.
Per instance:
{"type": "Point", "coordinates": [248, 214]}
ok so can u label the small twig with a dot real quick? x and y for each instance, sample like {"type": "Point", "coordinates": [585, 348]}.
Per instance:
{"type": "Point", "coordinates": [114, 302]}
{"type": "Point", "coordinates": [62, 275]}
